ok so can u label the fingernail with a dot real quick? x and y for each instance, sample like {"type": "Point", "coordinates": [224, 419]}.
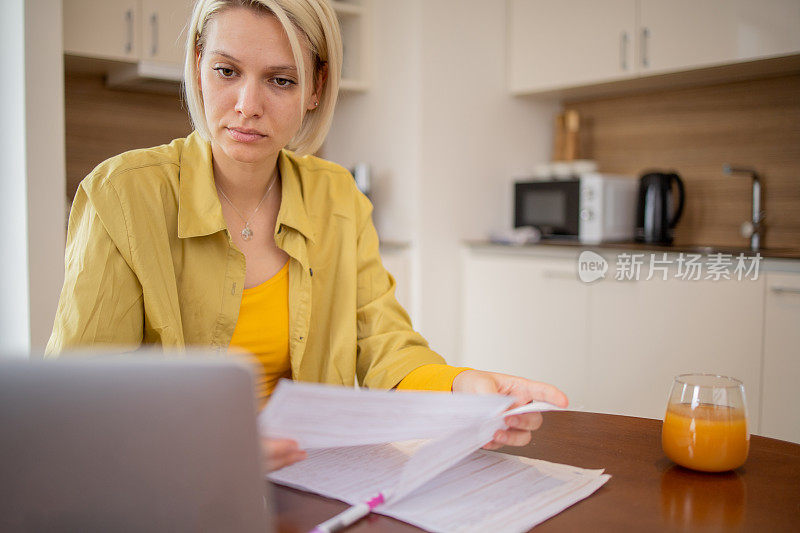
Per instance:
{"type": "Point", "coordinates": [512, 420]}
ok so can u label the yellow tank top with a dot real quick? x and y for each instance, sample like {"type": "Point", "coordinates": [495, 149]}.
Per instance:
{"type": "Point", "coordinates": [262, 330]}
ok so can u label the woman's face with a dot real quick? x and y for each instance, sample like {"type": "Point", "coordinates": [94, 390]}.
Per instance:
{"type": "Point", "coordinates": [250, 86]}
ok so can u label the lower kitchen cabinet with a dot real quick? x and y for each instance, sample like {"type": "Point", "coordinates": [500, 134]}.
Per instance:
{"type": "Point", "coordinates": [643, 333]}
{"type": "Point", "coordinates": [528, 318]}
{"type": "Point", "coordinates": [780, 408]}
{"type": "Point", "coordinates": [615, 346]}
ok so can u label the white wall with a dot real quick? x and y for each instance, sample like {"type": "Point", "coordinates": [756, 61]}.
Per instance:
{"type": "Point", "coordinates": [32, 189]}
{"type": "Point", "coordinates": [475, 137]}
{"type": "Point", "coordinates": [382, 126]}
{"type": "Point", "coordinates": [14, 311]}
{"type": "Point", "coordinates": [445, 139]}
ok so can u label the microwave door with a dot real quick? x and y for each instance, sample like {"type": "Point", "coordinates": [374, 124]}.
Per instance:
{"type": "Point", "coordinates": [552, 207]}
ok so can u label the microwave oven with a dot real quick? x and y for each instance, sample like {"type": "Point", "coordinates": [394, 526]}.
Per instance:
{"type": "Point", "coordinates": [591, 208]}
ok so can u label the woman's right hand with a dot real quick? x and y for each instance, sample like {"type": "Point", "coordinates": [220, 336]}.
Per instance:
{"type": "Point", "coordinates": [277, 453]}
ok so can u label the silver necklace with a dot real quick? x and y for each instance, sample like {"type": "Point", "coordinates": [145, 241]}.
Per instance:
{"type": "Point", "coordinates": [247, 232]}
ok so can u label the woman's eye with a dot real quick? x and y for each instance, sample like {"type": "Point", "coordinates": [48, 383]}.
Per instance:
{"type": "Point", "coordinates": [283, 82]}
{"type": "Point", "coordinates": [225, 72]}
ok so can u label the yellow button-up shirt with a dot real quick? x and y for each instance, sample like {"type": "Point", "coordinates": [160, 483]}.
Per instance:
{"type": "Point", "coordinates": [149, 260]}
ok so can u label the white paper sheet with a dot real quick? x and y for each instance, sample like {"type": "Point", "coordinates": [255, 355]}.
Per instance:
{"type": "Point", "coordinates": [321, 416]}
{"type": "Point", "coordinates": [486, 491]}
{"type": "Point", "coordinates": [440, 454]}
{"type": "Point", "coordinates": [441, 483]}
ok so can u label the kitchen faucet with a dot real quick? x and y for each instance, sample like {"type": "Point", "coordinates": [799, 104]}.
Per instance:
{"type": "Point", "coordinates": [755, 228]}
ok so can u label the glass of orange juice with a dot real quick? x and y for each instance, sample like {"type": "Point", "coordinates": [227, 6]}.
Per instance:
{"type": "Point", "coordinates": [705, 427]}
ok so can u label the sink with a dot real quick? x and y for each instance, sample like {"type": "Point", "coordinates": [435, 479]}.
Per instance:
{"type": "Point", "coordinates": [732, 250]}
{"type": "Point", "coordinates": [708, 250]}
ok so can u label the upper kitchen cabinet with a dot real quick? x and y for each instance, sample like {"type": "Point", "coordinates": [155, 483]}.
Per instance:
{"type": "Point", "coordinates": [686, 34]}
{"type": "Point", "coordinates": [150, 36]}
{"type": "Point", "coordinates": [164, 30]}
{"type": "Point", "coordinates": [557, 45]}
{"type": "Point", "coordinates": [126, 30]}
{"type": "Point", "coordinates": [102, 29]}
{"type": "Point", "coordinates": [560, 43]}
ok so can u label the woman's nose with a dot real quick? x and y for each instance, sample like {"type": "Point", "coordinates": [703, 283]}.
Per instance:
{"type": "Point", "coordinates": [250, 101]}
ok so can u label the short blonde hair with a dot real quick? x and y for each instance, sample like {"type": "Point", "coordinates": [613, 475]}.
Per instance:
{"type": "Point", "coordinates": [313, 22]}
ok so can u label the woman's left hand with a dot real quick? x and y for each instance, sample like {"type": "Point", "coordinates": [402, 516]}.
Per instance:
{"type": "Point", "coordinates": [522, 390]}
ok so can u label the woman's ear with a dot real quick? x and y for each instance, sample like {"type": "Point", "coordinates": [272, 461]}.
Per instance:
{"type": "Point", "coordinates": [321, 78]}
{"type": "Point", "coordinates": [319, 84]}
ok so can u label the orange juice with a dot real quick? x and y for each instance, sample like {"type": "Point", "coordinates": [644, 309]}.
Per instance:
{"type": "Point", "coordinates": [711, 438]}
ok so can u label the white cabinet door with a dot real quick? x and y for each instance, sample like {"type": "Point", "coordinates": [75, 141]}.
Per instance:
{"type": "Point", "coordinates": [561, 43]}
{"type": "Point", "coordinates": [780, 411]}
{"type": "Point", "coordinates": [103, 29]}
{"type": "Point", "coordinates": [643, 333]}
{"type": "Point", "coordinates": [684, 34]}
{"type": "Point", "coordinates": [526, 317]}
{"type": "Point", "coordinates": [164, 25]}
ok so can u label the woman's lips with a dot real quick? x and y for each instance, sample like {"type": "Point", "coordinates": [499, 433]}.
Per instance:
{"type": "Point", "coordinates": [244, 136]}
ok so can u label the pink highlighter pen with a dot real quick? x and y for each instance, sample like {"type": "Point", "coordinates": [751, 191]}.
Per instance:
{"type": "Point", "coordinates": [349, 516]}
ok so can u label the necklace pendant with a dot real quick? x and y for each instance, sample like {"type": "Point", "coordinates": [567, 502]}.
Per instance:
{"type": "Point", "coordinates": [247, 233]}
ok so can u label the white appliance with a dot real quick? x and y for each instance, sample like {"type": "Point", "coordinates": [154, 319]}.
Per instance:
{"type": "Point", "coordinates": [607, 208]}
{"type": "Point", "coordinates": [591, 208]}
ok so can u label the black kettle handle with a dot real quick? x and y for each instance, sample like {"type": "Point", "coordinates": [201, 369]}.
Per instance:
{"type": "Point", "coordinates": [682, 194]}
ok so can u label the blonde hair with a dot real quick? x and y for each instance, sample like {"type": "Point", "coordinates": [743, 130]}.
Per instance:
{"type": "Point", "coordinates": [314, 23]}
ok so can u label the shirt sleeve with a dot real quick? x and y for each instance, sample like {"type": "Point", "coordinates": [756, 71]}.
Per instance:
{"type": "Point", "coordinates": [101, 300]}
{"type": "Point", "coordinates": [431, 378]}
{"type": "Point", "coordinates": [388, 348]}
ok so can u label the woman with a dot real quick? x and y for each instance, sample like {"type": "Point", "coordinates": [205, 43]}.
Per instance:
{"type": "Point", "coordinates": [227, 239]}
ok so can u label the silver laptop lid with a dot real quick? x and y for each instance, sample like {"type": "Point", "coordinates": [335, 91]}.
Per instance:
{"type": "Point", "coordinates": [129, 445]}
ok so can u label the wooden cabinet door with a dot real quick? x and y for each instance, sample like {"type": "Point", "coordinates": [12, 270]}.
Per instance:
{"type": "Point", "coordinates": [562, 43]}
{"type": "Point", "coordinates": [780, 411]}
{"type": "Point", "coordinates": [164, 24]}
{"type": "Point", "coordinates": [105, 29]}
{"type": "Point", "coordinates": [643, 333]}
{"type": "Point", "coordinates": [526, 316]}
{"type": "Point", "coordinates": [683, 34]}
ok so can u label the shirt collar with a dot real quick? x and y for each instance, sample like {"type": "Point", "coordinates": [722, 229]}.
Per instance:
{"type": "Point", "coordinates": [199, 210]}
{"type": "Point", "coordinates": [293, 209]}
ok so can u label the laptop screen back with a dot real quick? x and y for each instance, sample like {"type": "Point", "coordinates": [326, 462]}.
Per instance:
{"type": "Point", "coordinates": [129, 445]}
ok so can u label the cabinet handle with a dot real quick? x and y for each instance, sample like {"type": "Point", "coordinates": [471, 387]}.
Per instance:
{"type": "Point", "coordinates": [129, 25]}
{"type": "Point", "coordinates": [154, 28]}
{"type": "Point", "coordinates": [785, 290]}
{"type": "Point", "coordinates": [645, 39]}
{"type": "Point", "coordinates": [623, 50]}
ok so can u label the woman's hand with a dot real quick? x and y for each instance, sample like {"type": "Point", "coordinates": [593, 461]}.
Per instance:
{"type": "Point", "coordinates": [522, 390]}
{"type": "Point", "coordinates": [277, 453]}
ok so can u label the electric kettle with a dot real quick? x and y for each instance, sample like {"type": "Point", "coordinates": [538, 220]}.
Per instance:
{"type": "Point", "coordinates": [655, 218]}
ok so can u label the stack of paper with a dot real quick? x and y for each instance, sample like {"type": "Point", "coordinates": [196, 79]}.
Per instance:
{"type": "Point", "coordinates": [442, 483]}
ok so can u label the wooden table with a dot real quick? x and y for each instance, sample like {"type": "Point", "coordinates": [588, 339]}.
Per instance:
{"type": "Point", "coordinates": [647, 492]}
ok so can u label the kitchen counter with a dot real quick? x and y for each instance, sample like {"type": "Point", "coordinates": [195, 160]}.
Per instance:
{"type": "Point", "coordinates": [774, 259]}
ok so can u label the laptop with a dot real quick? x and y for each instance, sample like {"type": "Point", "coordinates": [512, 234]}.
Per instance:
{"type": "Point", "coordinates": [129, 445]}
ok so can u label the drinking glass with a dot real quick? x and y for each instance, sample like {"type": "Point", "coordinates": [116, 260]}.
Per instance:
{"type": "Point", "coordinates": [705, 427]}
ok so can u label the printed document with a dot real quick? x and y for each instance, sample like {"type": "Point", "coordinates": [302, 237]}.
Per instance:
{"type": "Point", "coordinates": [421, 451]}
